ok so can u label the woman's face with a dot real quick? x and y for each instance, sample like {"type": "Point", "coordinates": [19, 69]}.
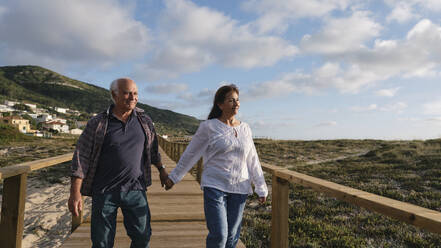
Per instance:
{"type": "Point", "coordinates": [231, 104]}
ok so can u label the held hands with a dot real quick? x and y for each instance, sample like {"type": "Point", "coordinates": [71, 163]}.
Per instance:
{"type": "Point", "coordinates": [169, 184]}
{"type": "Point", "coordinates": [165, 181]}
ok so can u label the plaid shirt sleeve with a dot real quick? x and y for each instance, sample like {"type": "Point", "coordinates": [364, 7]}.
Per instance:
{"type": "Point", "coordinates": [155, 156]}
{"type": "Point", "coordinates": [82, 156]}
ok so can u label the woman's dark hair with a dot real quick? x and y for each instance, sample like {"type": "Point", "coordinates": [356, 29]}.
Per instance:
{"type": "Point", "coordinates": [219, 98]}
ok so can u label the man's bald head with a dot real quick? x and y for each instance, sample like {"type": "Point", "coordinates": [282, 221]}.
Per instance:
{"type": "Point", "coordinates": [124, 93]}
{"type": "Point", "coordinates": [115, 85]}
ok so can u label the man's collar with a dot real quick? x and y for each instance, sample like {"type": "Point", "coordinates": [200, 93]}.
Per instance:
{"type": "Point", "coordinates": [136, 110]}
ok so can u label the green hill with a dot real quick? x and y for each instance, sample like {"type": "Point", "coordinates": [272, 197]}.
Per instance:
{"type": "Point", "coordinates": [48, 88]}
{"type": "Point", "coordinates": [11, 134]}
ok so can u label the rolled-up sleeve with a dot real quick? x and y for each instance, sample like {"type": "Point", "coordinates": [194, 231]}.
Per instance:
{"type": "Point", "coordinates": [255, 169]}
{"type": "Point", "coordinates": [192, 153]}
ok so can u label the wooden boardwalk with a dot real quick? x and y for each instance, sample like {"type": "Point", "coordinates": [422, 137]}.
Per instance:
{"type": "Point", "coordinates": [177, 216]}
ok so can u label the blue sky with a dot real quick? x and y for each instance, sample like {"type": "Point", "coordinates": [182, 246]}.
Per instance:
{"type": "Point", "coordinates": [315, 69]}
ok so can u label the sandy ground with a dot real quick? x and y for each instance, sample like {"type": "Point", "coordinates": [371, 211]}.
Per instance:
{"type": "Point", "coordinates": [47, 219]}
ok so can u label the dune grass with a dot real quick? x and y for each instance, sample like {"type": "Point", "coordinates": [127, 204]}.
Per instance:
{"type": "Point", "coordinates": [408, 171]}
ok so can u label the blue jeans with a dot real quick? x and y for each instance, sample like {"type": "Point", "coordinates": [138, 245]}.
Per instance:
{"type": "Point", "coordinates": [223, 213]}
{"type": "Point", "coordinates": [136, 212]}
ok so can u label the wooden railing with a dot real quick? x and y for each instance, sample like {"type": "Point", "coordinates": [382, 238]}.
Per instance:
{"type": "Point", "coordinates": [14, 197]}
{"type": "Point", "coordinates": [282, 178]}
{"type": "Point", "coordinates": [174, 151]}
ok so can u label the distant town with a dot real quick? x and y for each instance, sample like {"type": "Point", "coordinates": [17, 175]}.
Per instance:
{"type": "Point", "coordinates": [42, 121]}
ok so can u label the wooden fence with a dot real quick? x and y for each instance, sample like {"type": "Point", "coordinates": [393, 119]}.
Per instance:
{"type": "Point", "coordinates": [281, 179]}
{"type": "Point", "coordinates": [14, 197]}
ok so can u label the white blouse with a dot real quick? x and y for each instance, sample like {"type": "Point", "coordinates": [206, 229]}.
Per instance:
{"type": "Point", "coordinates": [231, 163]}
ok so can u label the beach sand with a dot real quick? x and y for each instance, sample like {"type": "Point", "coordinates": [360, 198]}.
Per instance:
{"type": "Point", "coordinates": [47, 219]}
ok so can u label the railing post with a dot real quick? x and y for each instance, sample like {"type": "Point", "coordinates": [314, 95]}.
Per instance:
{"type": "Point", "coordinates": [77, 220]}
{"type": "Point", "coordinates": [173, 151]}
{"type": "Point", "coordinates": [176, 146]}
{"type": "Point", "coordinates": [170, 150]}
{"type": "Point", "coordinates": [13, 206]}
{"type": "Point", "coordinates": [180, 150]}
{"type": "Point", "coordinates": [280, 213]}
{"type": "Point", "coordinates": [167, 148]}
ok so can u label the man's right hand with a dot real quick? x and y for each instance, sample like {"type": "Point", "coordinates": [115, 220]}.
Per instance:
{"type": "Point", "coordinates": [75, 203]}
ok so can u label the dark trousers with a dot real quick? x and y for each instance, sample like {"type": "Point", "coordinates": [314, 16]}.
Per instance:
{"type": "Point", "coordinates": [136, 212]}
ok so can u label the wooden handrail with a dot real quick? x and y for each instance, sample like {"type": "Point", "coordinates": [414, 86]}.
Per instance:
{"type": "Point", "coordinates": [427, 219]}
{"type": "Point", "coordinates": [14, 197]}
{"type": "Point", "coordinates": [409, 213]}
{"type": "Point", "coordinates": [30, 166]}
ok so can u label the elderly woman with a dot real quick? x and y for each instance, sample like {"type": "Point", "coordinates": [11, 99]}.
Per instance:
{"type": "Point", "coordinates": [231, 164]}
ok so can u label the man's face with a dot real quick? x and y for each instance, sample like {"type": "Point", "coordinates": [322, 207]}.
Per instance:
{"type": "Point", "coordinates": [127, 96]}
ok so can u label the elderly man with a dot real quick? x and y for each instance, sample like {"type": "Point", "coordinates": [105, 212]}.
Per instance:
{"type": "Point", "coordinates": [112, 162]}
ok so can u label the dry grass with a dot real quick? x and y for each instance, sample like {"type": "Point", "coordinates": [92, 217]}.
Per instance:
{"type": "Point", "coordinates": [408, 171]}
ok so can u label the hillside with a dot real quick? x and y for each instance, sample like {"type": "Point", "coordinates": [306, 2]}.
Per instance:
{"type": "Point", "coordinates": [45, 87]}
{"type": "Point", "coordinates": [10, 134]}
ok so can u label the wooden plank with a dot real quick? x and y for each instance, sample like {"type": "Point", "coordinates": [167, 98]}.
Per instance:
{"type": "Point", "coordinates": [280, 213]}
{"type": "Point", "coordinates": [409, 213]}
{"type": "Point", "coordinates": [14, 170]}
{"type": "Point", "coordinates": [27, 167]}
{"type": "Point", "coordinates": [270, 168]}
{"type": "Point", "coordinates": [13, 206]}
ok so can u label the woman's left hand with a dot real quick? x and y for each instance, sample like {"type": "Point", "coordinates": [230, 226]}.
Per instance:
{"type": "Point", "coordinates": [262, 199]}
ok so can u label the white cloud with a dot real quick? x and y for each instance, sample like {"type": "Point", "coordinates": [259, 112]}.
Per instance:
{"type": "Point", "coordinates": [387, 92]}
{"type": "Point", "coordinates": [167, 88]}
{"type": "Point", "coordinates": [396, 107]}
{"type": "Point", "coordinates": [270, 125]}
{"type": "Point", "coordinates": [425, 5]}
{"type": "Point", "coordinates": [327, 124]}
{"type": "Point", "coordinates": [401, 13]}
{"type": "Point", "coordinates": [434, 119]}
{"type": "Point", "coordinates": [364, 108]}
{"type": "Point", "coordinates": [3, 10]}
{"type": "Point", "coordinates": [432, 108]}
{"type": "Point", "coordinates": [51, 32]}
{"type": "Point", "coordinates": [194, 37]}
{"type": "Point", "coordinates": [417, 55]}
{"type": "Point", "coordinates": [270, 89]}
{"type": "Point", "coordinates": [329, 75]}
{"type": "Point", "coordinates": [276, 15]}
{"type": "Point", "coordinates": [342, 35]}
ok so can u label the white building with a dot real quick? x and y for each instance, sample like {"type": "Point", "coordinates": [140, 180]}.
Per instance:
{"type": "Point", "coordinates": [10, 103]}
{"type": "Point", "coordinates": [61, 110]}
{"type": "Point", "coordinates": [64, 121]}
{"type": "Point", "coordinates": [32, 106]}
{"type": "Point", "coordinates": [34, 116]}
{"type": "Point", "coordinates": [5, 108]}
{"type": "Point", "coordinates": [76, 131]}
{"type": "Point", "coordinates": [56, 125]}
{"type": "Point", "coordinates": [44, 118]}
